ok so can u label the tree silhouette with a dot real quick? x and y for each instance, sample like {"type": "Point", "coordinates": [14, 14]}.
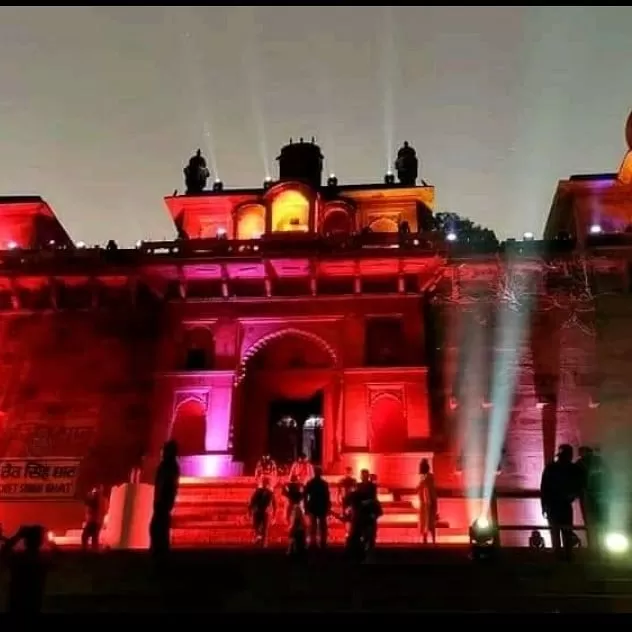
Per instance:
{"type": "Point", "coordinates": [464, 228]}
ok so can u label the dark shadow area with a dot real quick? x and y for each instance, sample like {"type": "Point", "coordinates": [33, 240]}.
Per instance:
{"type": "Point", "coordinates": [400, 579]}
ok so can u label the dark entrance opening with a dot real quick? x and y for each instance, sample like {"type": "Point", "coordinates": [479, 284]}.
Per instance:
{"type": "Point", "coordinates": [295, 426]}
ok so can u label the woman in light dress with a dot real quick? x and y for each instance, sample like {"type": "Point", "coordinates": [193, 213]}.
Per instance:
{"type": "Point", "coordinates": [427, 494]}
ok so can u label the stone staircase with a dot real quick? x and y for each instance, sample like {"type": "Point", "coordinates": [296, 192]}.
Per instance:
{"type": "Point", "coordinates": [213, 512]}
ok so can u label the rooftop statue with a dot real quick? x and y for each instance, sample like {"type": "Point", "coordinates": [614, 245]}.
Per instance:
{"type": "Point", "coordinates": [407, 165]}
{"type": "Point", "coordinates": [196, 174]}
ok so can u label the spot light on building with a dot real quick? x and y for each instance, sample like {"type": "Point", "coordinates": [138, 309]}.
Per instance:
{"type": "Point", "coordinates": [596, 229]}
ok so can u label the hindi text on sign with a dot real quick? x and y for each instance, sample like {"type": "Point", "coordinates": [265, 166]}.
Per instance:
{"type": "Point", "coordinates": [38, 479]}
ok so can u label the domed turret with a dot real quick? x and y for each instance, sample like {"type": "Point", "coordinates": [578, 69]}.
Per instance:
{"type": "Point", "coordinates": [301, 161]}
{"type": "Point", "coordinates": [625, 170]}
{"type": "Point", "coordinates": [407, 165]}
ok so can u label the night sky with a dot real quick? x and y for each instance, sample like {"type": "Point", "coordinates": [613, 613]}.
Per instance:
{"type": "Point", "coordinates": [100, 107]}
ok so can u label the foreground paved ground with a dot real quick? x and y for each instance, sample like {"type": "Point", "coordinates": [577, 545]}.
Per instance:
{"type": "Point", "coordinates": [443, 580]}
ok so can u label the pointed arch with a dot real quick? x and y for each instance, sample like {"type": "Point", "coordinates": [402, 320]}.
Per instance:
{"type": "Point", "coordinates": [388, 428]}
{"type": "Point", "coordinates": [188, 427]}
{"type": "Point", "coordinates": [262, 342]}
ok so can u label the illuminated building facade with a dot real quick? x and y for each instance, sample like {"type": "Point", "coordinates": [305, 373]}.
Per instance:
{"type": "Point", "coordinates": [307, 316]}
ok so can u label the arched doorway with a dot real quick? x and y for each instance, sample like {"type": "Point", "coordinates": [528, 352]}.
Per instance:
{"type": "Point", "coordinates": [189, 428]}
{"type": "Point", "coordinates": [286, 400]}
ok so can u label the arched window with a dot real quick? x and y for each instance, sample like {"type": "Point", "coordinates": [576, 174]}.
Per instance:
{"type": "Point", "coordinates": [384, 225]}
{"type": "Point", "coordinates": [199, 349]}
{"type": "Point", "coordinates": [336, 222]}
{"type": "Point", "coordinates": [290, 212]}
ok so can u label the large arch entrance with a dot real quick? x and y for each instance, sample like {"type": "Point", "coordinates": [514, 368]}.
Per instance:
{"type": "Point", "coordinates": [286, 397]}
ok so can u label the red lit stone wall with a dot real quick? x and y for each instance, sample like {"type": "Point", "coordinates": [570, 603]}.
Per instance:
{"type": "Point", "coordinates": [555, 364]}
{"type": "Point", "coordinates": [610, 424]}
{"type": "Point", "coordinates": [75, 384]}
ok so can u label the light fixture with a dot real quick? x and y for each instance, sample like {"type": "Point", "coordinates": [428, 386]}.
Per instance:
{"type": "Point", "coordinates": [218, 185]}
{"type": "Point", "coordinates": [483, 538]}
{"type": "Point", "coordinates": [389, 178]}
{"type": "Point", "coordinates": [221, 233]}
{"type": "Point", "coordinates": [332, 181]}
{"type": "Point", "coordinates": [451, 236]}
{"type": "Point", "coordinates": [595, 229]}
{"type": "Point", "coordinates": [616, 543]}
{"type": "Point", "coordinates": [267, 183]}
{"type": "Point", "coordinates": [139, 243]}
{"type": "Point", "coordinates": [81, 244]}
{"type": "Point", "coordinates": [12, 245]}
{"type": "Point", "coordinates": [528, 236]}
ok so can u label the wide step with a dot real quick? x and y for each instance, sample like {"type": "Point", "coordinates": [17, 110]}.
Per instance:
{"type": "Point", "coordinates": [191, 537]}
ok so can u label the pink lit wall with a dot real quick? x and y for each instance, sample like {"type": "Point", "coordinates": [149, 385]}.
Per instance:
{"type": "Point", "coordinates": [219, 411]}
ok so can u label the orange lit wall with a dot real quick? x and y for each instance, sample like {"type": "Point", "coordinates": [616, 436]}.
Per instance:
{"type": "Point", "coordinates": [251, 222]}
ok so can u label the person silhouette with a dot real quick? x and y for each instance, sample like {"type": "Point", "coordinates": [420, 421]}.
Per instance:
{"type": "Point", "coordinates": [560, 487]}
{"type": "Point", "coordinates": [427, 494]}
{"type": "Point", "coordinates": [28, 569]}
{"type": "Point", "coordinates": [165, 492]}
{"type": "Point", "coordinates": [317, 507]}
{"type": "Point", "coordinates": [261, 507]}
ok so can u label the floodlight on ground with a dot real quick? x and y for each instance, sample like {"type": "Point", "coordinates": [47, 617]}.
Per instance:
{"type": "Point", "coordinates": [616, 543]}
{"type": "Point", "coordinates": [595, 229]}
{"type": "Point", "coordinates": [483, 537]}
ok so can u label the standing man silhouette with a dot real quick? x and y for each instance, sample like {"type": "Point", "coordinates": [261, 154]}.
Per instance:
{"type": "Point", "coordinates": [560, 487]}
{"type": "Point", "coordinates": [165, 492]}
{"type": "Point", "coordinates": [317, 507]}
